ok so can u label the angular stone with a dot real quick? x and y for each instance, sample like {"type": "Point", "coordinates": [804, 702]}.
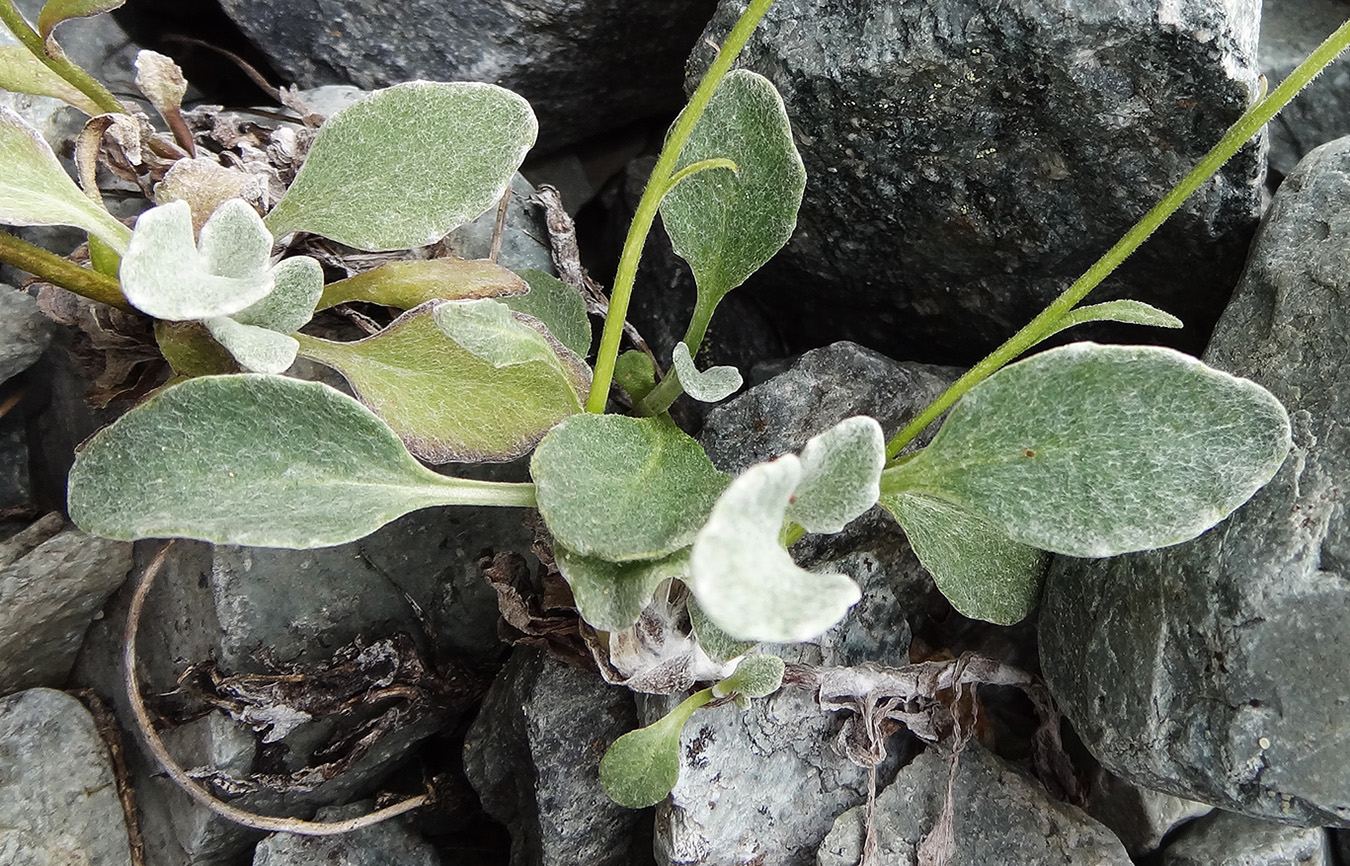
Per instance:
{"type": "Point", "coordinates": [58, 800]}
{"type": "Point", "coordinates": [1225, 839]}
{"type": "Point", "coordinates": [1140, 818]}
{"type": "Point", "coordinates": [584, 66]}
{"type": "Point", "coordinates": [384, 844]}
{"type": "Point", "coordinates": [53, 580]}
{"type": "Point", "coordinates": [24, 331]}
{"type": "Point", "coordinates": [1321, 113]}
{"type": "Point", "coordinates": [1001, 816]}
{"type": "Point", "coordinates": [533, 755]}
{"type": "Point", "coordinates": [1215, 670]}
{"type": "Point", "coordinates": [967, 159]}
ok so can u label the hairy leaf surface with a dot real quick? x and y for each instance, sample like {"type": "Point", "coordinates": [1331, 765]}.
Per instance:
{"type": "Point", "coordinates": [258, 350]}
{"type": "Point", "coordinates": [290, 305]}
{"type": "Point", "coordinates": [757, 676]}
{"type": "Point", "coordinates": [707, 386]}
{"type": "Point", "coordinates": [21, 72]}
{"type": "Point", "coordinates": [611, 595]}
{"type": "Point", "coordinates": [558, 306]}
{"type": "Point", "coordinates": [404, 285]}
{"type": "Point", "coordinates": [643, 765]}
{"type": "Point", "coordinates": [841, 475]}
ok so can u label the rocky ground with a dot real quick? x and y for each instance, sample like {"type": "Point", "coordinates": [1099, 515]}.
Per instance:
{"type": "Point", "coordinates": [966, 159]}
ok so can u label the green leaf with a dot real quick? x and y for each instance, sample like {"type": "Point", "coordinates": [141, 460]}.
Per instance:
{"type": "Point", "coordinates": [290, 305]}
{"type": "Point", "coordinates": [559, 307]}
{"type": "Point", "coordinates": [36, 191]}
{"type": "Point", "coordinates": [982, 572]}
{"type": "Point", "coordinates": [21, 72]}
{"type": "Point", "coordinates": [408, 164]}
{"type": "Point", "coordinates": [755, 677]}
{"type": "Point", "coordinates": [1096, 450]}
{"type": "Point", "coordinates": [707, 386]}
{"type": "Point", "coordinates": [404, 285]}
{"type": "Point", "coordinates": [191, 350]}
{"type": "Point", "coordinates": [641, 767]}
{"type": "Point", "coordinates": [55, 11]}
{"type": "Point", "coordinates": [491, 400]}
{"type": "Point", "coordinates": [622, 488]}
{"type": "Point", "coordinates": [611, 595]}
{"type": "Point", "coordinates": [635, 374]}
{"type": "Point", "coordinates": [167, 275]}
{"type": "Point", "coordinates": [257, 460]}
{"type": "Point", "coordinates": [745, 581]}
{"type": "Point", "coordinates": [841, 475]}
{"type": "Point", "coordinates": [258, 350]}
{"type": "Point", "coordinates": [717, 644]}
{"type": "Point", "coordinates": [725, 224]}
{"type": "Point", "coordinates": [1125, 311]}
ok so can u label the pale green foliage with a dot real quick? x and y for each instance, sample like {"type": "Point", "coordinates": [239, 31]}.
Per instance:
{"type": "Point", "coordinates": [745, 581]}
{"type": "Point", "coordinates": [491, 399]}
{"type": "Point", "coordinates": [622, 488]}
{"type": "Point", "coordinates": [841, 475]}
{"type": "Point", "coordinates": [297, 285]}
{"type": "Point", "coordinates": [257, 350]}
{"type": "Point", "coordinates": [257, 460]}
{"type": "Point", "coordinates": [404, 285]}
{"type": "Point", "coordinates": [55, 11]}
{"type": "Point", "coordinates": [611, 595]}
{"type": "Point", "coordinates": [635, 374]}
{"type": "Point", "coordinates": [726, 224]}
{"type": "Point", "coordinates": [1125, 311]}
{"type": "Point", "coordinates": [1098, 450]}
{"type": "Point", "coordinates": [21, 72]}
{"type": "Point", "coordinates": [982, 572]}
{"type": "Point", "coordinates": [717, 644]}
{"type": "Point", "coordinates": [756, 676]}
{"type": "Point", "coordinates": [36, 191]}
{"type": "Point", "coordinates": [408, 164]}
{"type": "Point", "coordinates": [643, 765]}
{"type": "Point", "coordinates": [560, 307]}
{"type": "Point", "coordinates": [708, 386]}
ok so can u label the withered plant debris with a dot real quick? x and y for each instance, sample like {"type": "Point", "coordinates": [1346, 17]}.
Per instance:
{"type": "Point", "coordinates": [112, 349]}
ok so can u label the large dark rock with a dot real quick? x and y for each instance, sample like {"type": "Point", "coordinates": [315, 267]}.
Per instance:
{"type": "Point", "coordinates": [1215, 670]}
{"type": "Point", "coordinates": [1225, 839]}
{"type": "Point", "coordinates": [585, 66]}
{"type": "Point", "coordinates": [967, 159]}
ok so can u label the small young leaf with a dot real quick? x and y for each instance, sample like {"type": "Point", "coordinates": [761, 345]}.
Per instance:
{"type": "Point", "coordinates": [168, 275]}
{"type": "Point", "coordinates": [755, 677]}
{"type": "Point", "coordinates": [841, 475]}
{"type": "Point", "coordinates": [191, 350]}
{"type": "Point", "coordinates": [258, 350]}
{"type": "Point", "coordinates": [449, 403]}
{"type": "Point", "coordinates": [611, 595]}
{"type": "Point", "coordinates": [36, 191]}
{"type": "Point", "coordinates": [745, 581]}
{"type": "Point", "coordinates": [299, 283]}
{"type": "Point", "coordinates": [1125, 311]}
{"type": "Point", "coordinates": [205, 185]}
{"type": "Point", "coordinates": [1096, 450]}
{"type": "Point", "coordinates": [641, 767]}
{"type": "Point", "coordinates": [258, 460]}
{"type": "Point", "coordinates": [717, 644]}
{"type": "Point", "coordinates": [162, 82]}
{"type": "Point", "coordinates": [725, 224]}
{"type": "Point", "coordinates": [21, 72]}
{"type": "Point", "coordinates": [622, 488]}
{"type": "Point", "coordinates": [408, 164]}
{"type": "Point", "coordinates": [559, 307]}
{"type": "Point", "coordinates": [707, 386]}
{"type": "Point", "coordinates": [55, 11]}
{"type": "Point", "coordinates": [635, 374]}
{"type": "Point", "coordinates": [982, 572]}
{"type": "Point", "coordinates": [404, 285]}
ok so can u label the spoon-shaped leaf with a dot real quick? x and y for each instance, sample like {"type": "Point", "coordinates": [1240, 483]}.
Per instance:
{"type": "Point", "coordinates": [726, 224]}
{"type": "Point", "coordinates": [719, 646]}
{"type": "Point", "coordinates": [491, 399]}
{"type": "Point", "coordinates": [641, 767]}
{"type": "Point", "coordinates": [707, 386]}
{"type": "Point", "coordinates": [982, 572]}
{"type": "Point", "coordinates": [1096, 450]}
{"type": "Point", "coordinates": [559, 307]}
{"type": "Point", "coordinates": [756, 676]}
{"type": "Point", "coordinates": [407, 164]}
{"type": "Point", "coordinates": [611, 595]}
{"type": "Point", "coordinates": [290, 305]}
{"type": "Point", "coordinates": [745, 581]}
{"type": "Point", "coordinates": [841, 475]}
{"type": "Point", "coordinates": [21, 72]}
{"type": "Point", "coordinates": [635, 374]}
{"type": "Point", "coordinates": [258, 460]}
{"type": "Point", "coordinates": [36, 191]}
{"type": "Point", "coordinates": [55, 11]}
{"type": "Point", "coordinates": [257, 350]}
{"type": "Point", "coordinates": [404, 285]}
{"type": "Point", "coordinates": [622, 488]}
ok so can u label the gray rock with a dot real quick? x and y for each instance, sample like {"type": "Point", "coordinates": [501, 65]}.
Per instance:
{"type": "Point", "coordinates": [1225, 839]}
{"type": "Point", "coordinates": [524, 238]}
{"type": "Point", "coordinates": [1140, 818]}
{"type": "Point", "coordinates": [584, 66]}
{"type": "Point", "coordinates": [24, 331]}
{"type": "Point", "coordinates": [389, 843]}
{"type": "Point", "coordinates": [1001, 817]}
{"type": "Point", "coordinates": [533, 755]}
{"type": "Point", "coordinates": [53, 580]}
{"type": "Point", "coordinates": [1215, 670]}
{"type": "Point", "coordinates": [58, 801]}
{"type": "Point", "coordinates": [1321, 113]}
{"type": "Point", "coordinates": [16, 485]}
{"type": "Point", "coordinates": [967, 159]}
{"type": "Point", "coordinates": [1340, 843]}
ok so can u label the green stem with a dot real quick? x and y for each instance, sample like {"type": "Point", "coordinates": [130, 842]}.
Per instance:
{"type": "Point", "coordinates": [1248, 125]}
{"type": "Point", "coordinates": [60, 64]}
{"type": "Point", "coordinates": [657, 186]}
{"type": "Point", "coordinates": [669, 389]}
{"type": "Point", "coordinates": [68, 275]}
{"type": "Point", "coordinates": [505, 494]}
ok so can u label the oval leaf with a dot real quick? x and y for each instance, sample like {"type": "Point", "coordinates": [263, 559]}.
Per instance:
{"type": "Point", "coordinates": [258, 350]}
{"type": "Point", "coordinates": [982, 572]}
{"type": "Point", "coordinates": [36, 191]}
{"type": "Point", "coordinates": [407, 164]}
{"type": "Point", "coordinates": [404, 285]}
{"type": "Point", "coordinates": [489, 401]}
{"type": "Point", "coordinates": [706, 386]}
{"type": "Point", "coordinates": [755, 677]}
{"type": "Point", "coordinates": [1096, 450]}
{"type": "Point", "coordinates": [635, 373]}
{"type": "Point", "coordinates": [560, 307]}
{"type": "Point", "coordinates": [642, 766]}
{"type": "Point", "coordinates": [611, 595]}
{"type": "Point", "coordinates": [726, 224]}
{"type": "Point", "coordinates": [745, 581]}
{"type": "Point", "coordinates": [621, 488]}
{"type": "Point", "coordinates": [55, 11]}
{"type": "Point", "coordinates": [21, 72]}
{"type": "Point", "coordinates": [290, 305]}
{"type": "Point", "coordinates": [257, 460]}
{"type": "Point", "coordinates": [1125, 311]}
{"type": "Point", "coordinates": [841, 475]}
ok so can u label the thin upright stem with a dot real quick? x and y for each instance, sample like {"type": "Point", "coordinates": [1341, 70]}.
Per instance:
{"type": "Point", "coordinates": [60, 63]}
